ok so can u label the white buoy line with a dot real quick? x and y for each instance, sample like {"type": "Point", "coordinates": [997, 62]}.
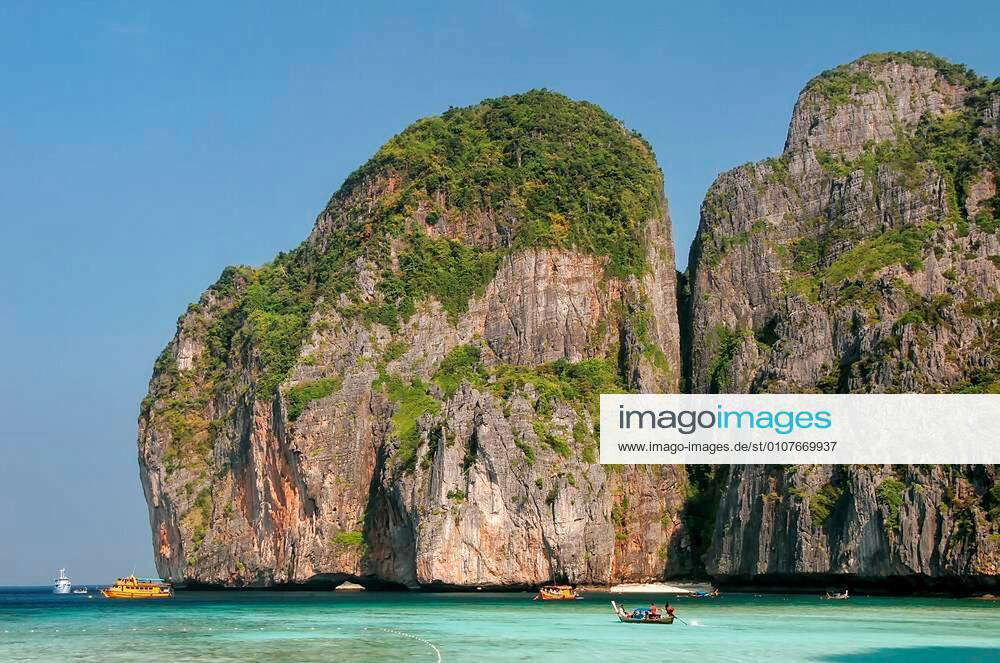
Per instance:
{"type": "Point", "coordinates": [416, 637]}
{"type": "Point", "coordinates": [177, 629]}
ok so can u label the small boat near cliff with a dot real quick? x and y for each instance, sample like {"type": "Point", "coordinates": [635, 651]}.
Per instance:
{"type": "Point", "coordinates": [131, 587]}
{"type": "Point", "coordinates": [830, 596]}
{"type": "Point", "coordinates": [557, 593]}
{"type": "Point", "coordinates": [706, 595]}
{"type": "Point", "coordinates": [641, 616]}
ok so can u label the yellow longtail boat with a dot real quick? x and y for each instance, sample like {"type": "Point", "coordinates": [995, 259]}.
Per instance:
{"type": "Point", "coordinates": [131, 587]}
{"type": "Point", "coordinates": [557, 593]}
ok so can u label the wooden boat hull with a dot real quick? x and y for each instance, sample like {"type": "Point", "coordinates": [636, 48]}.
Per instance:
{"type": "Point", "coordinates": [624, 617]}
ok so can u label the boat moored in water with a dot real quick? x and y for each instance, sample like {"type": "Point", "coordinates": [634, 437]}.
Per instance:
{"type": "Point", "coordinates": [131, 587]}
{"type": "Point", "coordinates": [705, 595]}
{"type": "Point", "coordinates": [63, 584]}
{"type": "Point", "coordinates": [829, 596]}
{"type": "Point", "coordinates": [557, 593]}
{"type": "Point", "coordinates": [81, 590]}
{"type": "Point", "coordinates": [640, 616]}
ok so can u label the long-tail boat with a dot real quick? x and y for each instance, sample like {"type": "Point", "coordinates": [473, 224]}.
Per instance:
{"type": "Point", "coordinates": [557, 593]}
{"type": "Point", "coordinates": [640, 616]}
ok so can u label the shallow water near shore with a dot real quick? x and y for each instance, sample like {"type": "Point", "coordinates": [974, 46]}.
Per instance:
{"type": "Point", "coordinates": [280, 627]}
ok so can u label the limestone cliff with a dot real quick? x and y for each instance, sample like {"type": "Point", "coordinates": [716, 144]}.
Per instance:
{"type": "Point", "coordinates": [865, 258]}
{"type": "Point", "coordinates": [409, 396]}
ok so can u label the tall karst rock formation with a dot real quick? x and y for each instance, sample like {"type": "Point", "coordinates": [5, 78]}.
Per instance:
{"type": "Point", "coordinates": [865, 258]}
{"type": "Point", "coordinates": [409, 396]}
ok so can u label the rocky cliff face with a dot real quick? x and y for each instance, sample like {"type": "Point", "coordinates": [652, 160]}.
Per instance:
{"type": "Point", "coordinates": [409, 397]}
{"type": "Point", "coordinates": [864, 259]}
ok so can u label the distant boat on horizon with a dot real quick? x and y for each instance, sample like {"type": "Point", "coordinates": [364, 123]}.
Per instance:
{"type": "Point", "coordinates": [63, 584]}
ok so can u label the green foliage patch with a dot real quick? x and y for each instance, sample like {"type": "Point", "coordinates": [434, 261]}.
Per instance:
{"type": "Point", "coordinates": [725, 344]}
{"type": "Point", "coordinates": [526, 449]}
{"type": "Point", "coordinates": [460, 365]}
{"type": "Point", "coordinates": [981, 382]}
{"type": "Point", "coordinates": [903, 246]}
{"type": "Point", "coordinates": [449, 271]}
{"type": "Point", "coordinates": [890, 495]}
{"type": "Point", "coordinates": [556, 442]}
{"type": "Point", "coordinates": [349, 539]}
{"type": "Point", "coordinates": [413, 401]}
{"type": "Point", "coordinates": [577, 384]}
{"type": "Point", "coordinates": [838, 86]}
{"type": "Point", "coordinates": [580, 383]}
{"type": "Point", "coordinates": [394, 350]}
{"type": "Point", "coordinates": [563, 172]}
{"type": "Point", "coordinates": [303, 393]}
{"type": "Point", "coordinates": [704, 485]}
{"type": "Point", "coordinates": [822, 504]}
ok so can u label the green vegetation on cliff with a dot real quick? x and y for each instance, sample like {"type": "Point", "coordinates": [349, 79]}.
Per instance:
{"type": "Point", "coordinates": [303, 393]}
{"type": "Point", "coordinates": [576, 384]}
{"type": "Point", "coordinates": [890, 497]}
{"type": "Point", "coordinates": [823, 503]}
{"type": "Point", "coordinates": [530, 170]}
{"type": "Point", "coordinates": [724, 344]}
{"type": "Point", "coordinates": [840, 85]}
{"type": "Point", "coordinates": [952, 147]}
{"type": "Point", "coordinates": [579, 384]}
{"type": "Point", "coordinates": [550, 170]}
{"type": "Point", "coordinates": [413, 400]}
{"type": "Point", "coordinates": [458, 366]}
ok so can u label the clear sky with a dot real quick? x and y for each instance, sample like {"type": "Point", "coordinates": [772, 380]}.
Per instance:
{"type": "Point", "coordinates": [143, 148]}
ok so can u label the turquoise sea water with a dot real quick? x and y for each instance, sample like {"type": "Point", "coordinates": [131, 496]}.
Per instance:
{"type": "Point", "coordinates": [279, 627]}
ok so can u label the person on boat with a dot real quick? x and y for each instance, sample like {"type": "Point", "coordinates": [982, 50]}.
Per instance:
{"type": "Point", "coordinates": [670, 610]}
{"type": "Point", "coordinates": [654, 612]}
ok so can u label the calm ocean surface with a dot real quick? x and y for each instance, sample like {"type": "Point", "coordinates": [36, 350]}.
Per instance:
{"type": "Point", "coordinates": [276, 627]}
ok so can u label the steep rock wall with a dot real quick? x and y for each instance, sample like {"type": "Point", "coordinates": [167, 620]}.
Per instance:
{"type": "Point", "coordinates": [409, 397]}
{"type": "Point", "coordinates": [863, 259]}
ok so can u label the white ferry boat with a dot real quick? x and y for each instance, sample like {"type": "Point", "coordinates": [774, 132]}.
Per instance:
{"type": "Point", "coordinates": [63, 584]}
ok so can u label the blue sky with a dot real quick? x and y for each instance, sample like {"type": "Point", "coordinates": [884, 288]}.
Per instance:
{"type": "Point", "coordinates": [143, 148]}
